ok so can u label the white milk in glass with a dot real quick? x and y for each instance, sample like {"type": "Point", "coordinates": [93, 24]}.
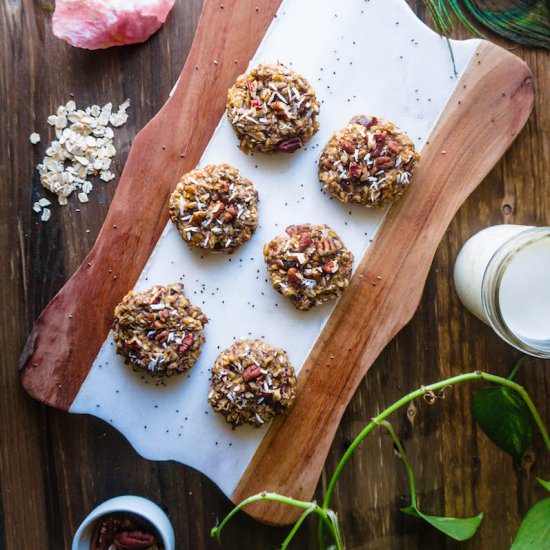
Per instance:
{"type": "Point", "coordinates": [502, 275]}
{"type": "Point", "coordinates": [524, 295]}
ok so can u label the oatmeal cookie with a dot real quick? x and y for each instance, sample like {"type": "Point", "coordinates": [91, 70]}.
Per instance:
{"type": "Point", "coordinates": [369, 161]}
{"type": "Point", "coordinates": [214, 208]}
{"type": "Point", "coordinates": [308, 264]}
{"type": "Point", "coordinates": [252, 382]}
{"type": "Point", "coordinates": [158, 331]}
{"type": "Point", "coordinates": [272, 108]}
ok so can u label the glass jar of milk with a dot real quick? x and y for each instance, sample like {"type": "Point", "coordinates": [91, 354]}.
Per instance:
{"type": "Point", "coordinates": [502, 275]}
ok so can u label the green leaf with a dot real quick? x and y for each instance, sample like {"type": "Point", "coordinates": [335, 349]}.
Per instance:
{"type": "Point", "coordinates": [534, 531]}
{"type": "Point", "coordinates": [456, 528]}
{"type": "Point", "coordinates": [545, 484]}
{"type": "Point", "coordinates": [505, 418]}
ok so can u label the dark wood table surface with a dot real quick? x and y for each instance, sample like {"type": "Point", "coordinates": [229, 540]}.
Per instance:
{"type": "Point", "coordinates": [55, 467]}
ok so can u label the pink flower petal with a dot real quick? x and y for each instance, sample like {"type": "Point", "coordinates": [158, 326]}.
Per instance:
{"type": "Point", "coordinates": [98, 24]}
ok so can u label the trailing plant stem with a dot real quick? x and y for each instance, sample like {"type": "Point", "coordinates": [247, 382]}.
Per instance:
{"type": "Point", "coordinates": [477, 375]}
{"type": "Point", "coordinates": [404, 458]}
{"type": "Point", "coordinates": [514, 371]}
{"type": "Point", "coordinates": [309, 507]}
{"type": "Point", "coordinates": [327, 517]}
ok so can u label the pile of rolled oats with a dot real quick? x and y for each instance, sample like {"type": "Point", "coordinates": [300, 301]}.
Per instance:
{"type": "Point", "coordinates": [83, 149]}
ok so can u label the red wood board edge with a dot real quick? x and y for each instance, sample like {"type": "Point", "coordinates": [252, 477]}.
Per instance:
{"type": "Point", "coordinates": [69, 333]}
{"type": "Point", "coordinates": [483, 116]}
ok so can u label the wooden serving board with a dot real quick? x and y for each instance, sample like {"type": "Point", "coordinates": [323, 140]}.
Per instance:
{"type": "Point", "coordinates": [373, 57]}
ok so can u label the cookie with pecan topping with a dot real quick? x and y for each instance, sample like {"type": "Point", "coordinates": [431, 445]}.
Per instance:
{"type": "Point", "coordinates": [215, 208]}
{"type": "Point", "coordinates": [251, 383]}
{"type": "Point", "coordinates": [158, 331]}
{"type": "Point", "coordinates": [369, 161]}
{"type": "Point", "coordinates": [272, 108]}
{"type": "Point", "coordinates": [308, 264]}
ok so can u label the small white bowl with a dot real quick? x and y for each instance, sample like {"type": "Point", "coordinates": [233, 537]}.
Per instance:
{"type": "Point", "coordinates": [138, 506]}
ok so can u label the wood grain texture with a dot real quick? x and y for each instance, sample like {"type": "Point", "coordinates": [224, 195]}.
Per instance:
{"type": "Point", "coordinates": [56, 467]}
{"type": "Point", "coordinates": [484, 115]}
{"type": "Point", "coordinates": [64, 343]}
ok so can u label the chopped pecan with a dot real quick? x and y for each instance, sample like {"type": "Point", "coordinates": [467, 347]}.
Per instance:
{"type": "Point", "coordinates": [347, 146]}
{"type": "Point", "coordinates": [304, 240]}
{"type": "Point", "coordinates": [251, 373]}
{"type": "Point", "coordinates": [326, 246]}
{"type": "Point", "coordinates": [294, 276]}
{"type": "Point", "coordinates": [355, 170]}
{"type": "Point", "coordinates": [380, 142]}
{"type": "Point", "coordinates": [290, 145]}
{"type": "Point", "coordinates": [384, 162]}
{"type": "Point", "coordinates": [162, 336]}
{"type": "Point", "coordinates": [393, 146]}
{"type": "Point", "coordinates": [186, 342]}
{"type": "Point", "coordinates": [296, 229]}
{"type": "Point", "coordinates": [230, 212]}
{"type": "Point", "coordinates": [217, 208]}
{"type": "Point", "coordinates": [133, 344]}
{"type": "Point", "coordinates": [133, 540]}
{"type": "Point", "coordinates": [364, 120]}
{"type": "Point", "coordinates": [281, 110]}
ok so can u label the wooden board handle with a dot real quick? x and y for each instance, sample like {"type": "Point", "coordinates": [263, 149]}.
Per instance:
{"type": "Point", "coordinates": [489, 107]}
{"type": "Point", "coordinates": [67, 336]}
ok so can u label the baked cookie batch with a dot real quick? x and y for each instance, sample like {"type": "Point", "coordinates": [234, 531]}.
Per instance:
{"type": "Point", "coordinates": [272, 110]}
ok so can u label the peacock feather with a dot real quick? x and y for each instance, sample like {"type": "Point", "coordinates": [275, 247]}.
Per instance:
{"type": "Point", "coordinates": [526, 22]}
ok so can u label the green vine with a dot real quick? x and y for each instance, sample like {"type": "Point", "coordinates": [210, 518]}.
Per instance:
{"type": "Point", "coordinates": [457, 528]}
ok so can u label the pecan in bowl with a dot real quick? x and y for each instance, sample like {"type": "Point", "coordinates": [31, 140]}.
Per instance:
{"type": "Point", "coordinates": [123, 531]}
